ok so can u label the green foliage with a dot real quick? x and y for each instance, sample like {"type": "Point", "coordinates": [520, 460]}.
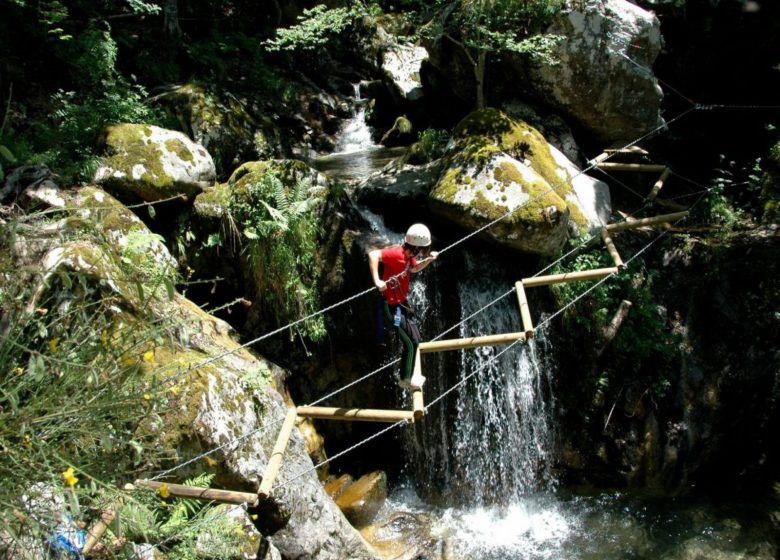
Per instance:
{"type": "Point", "coordinates": [433, 143]}
{"type": "Point", "coordinates": [174, 525]}
{"type": "Point", "coordinates": [315, 29]}
{"type": "Point", "coordinates": [280, 228]}
{"type": "Point", "coordinates": [715, 208]}
{"type": "Point", "coordinates": [645, 337]}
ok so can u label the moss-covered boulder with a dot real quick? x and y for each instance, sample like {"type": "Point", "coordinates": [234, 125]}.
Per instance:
{"type": "Point", "coordinates": [150, 163]}
{"type": "Point", "coordinates": [401, 133]}
{"type": "Point", "coordinates": [504, 167]}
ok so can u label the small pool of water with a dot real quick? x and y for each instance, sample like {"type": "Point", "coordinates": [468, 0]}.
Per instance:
{"type": "Point", "coordinates": [355, 166]}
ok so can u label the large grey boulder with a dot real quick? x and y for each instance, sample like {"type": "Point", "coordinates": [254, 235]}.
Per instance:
{"type": "Point", "coordinates": [604, 78]}
{"type": "Point", "coordinates": [401, 64]}
{"type": "Point", "coordinates": [151, 163]}
{"type": "Point", "coordinates": [505, 178]}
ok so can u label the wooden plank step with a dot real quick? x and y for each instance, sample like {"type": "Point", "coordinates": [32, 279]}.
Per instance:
{"type": "Point", "coordinates": [355, 414]}
{"type": "Point", "coordinates": [473, 342]}
{"type": "Point", "coordinates": [654, 220]}
{"type": "Point", "coordinates": [643, 167]}
{"type": "Point", "coordinates": [579, 276]}
{"type": "Point", "coordinates": [199, 493]}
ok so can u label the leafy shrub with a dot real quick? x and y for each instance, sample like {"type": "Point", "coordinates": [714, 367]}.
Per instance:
{"type": "Point", "coordinates": [281, 228]}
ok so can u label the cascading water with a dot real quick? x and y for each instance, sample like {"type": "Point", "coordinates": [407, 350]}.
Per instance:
{"type": "Point", "coordinates": [356, 155]}
{"type": "Point", "coordinates": [489, 441]}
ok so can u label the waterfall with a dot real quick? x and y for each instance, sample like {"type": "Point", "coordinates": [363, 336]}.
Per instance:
{"type": "Point", "coordinates": [490, 441]}
{"type": "Point", "coordinates": [355, 136]}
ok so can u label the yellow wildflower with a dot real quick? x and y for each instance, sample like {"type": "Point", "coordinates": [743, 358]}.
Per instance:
{"type": "Point", "coordinates": [70, 477]}
{"type": "Point", "coordinates": [210, 462]}
{"type": "Point", "coordinates": [254, 517]}
{"type": "Point", "coordinates": [175, 390]}
{"type": "Point", "coordinates": [163, 490]}
{"type": "Point", "coordinates": [149, 357]}
{"type": "Point", "coordinates": [53, 343]}
{"type": "Point", "coordinates": [19, 371]}
{"type": "Point", "coordinates": [147, 397]}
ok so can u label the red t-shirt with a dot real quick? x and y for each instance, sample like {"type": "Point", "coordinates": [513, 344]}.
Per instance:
{"type": "Point", "coordinates": [393, 262]}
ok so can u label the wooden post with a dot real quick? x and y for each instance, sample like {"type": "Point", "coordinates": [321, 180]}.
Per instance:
{"type": "Point", "coordinates": [354, 414]}
{"type": "Point", "coordinates": [659, 184]}
{"type": "Point", "coordinates": [643, 167]}
{"type": "Point", "coordinates": [610, 331]}
{"type": "Point", "coordinates": [612, 249]}
{"type": "Point", "coordinates": [525, 314]}
{"type": "Point", "coordinates": [647, 221]}
{"type": "Point", "coordinates": [275, 460]}
{"type": "Point", "coordinates": [200, 493]}
{"type": "Point", "coordinates": [593, 274]}
{"type": "Point", "coordinates": [418, 408]}
{"type": "Point", "coordinates": [99, 529]}
{"type": "Point", "coordinates": [462, 343]}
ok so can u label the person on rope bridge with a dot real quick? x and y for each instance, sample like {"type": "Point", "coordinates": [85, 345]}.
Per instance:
{"type": "Point", "coordinates": [398, 262]}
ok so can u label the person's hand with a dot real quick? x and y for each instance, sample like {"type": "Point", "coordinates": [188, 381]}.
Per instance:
{"type": "Point", "coordinates": [433, 255]}
{"type": "Point", "coordinates": [381, 285]}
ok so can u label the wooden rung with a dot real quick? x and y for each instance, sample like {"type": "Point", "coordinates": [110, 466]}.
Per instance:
{"type": "Point", "coordinates": [593, 274]}
{"type": "Point", "coordinates": [474, 342]}
{"type": "Point", "coordinates": [612, 249]}
{"type": "Point", "coordinates": [659, 184]}
{"type": "Point", "coordinates": [644, 167]}
{"type": "Point", "coordinates": [199, 493]}
{"type": "Point", "coordinates": [599, 158]}
{"type": "Point", "coordinates": [633, 149]}
{"type": "Point", "coordinates": [355, 414]}
{"type": "Point", "coordinates": [647, 221]}
{"type": "Point", "coordinates": [525, 313]}
{"type": "Point", "coordinates": [275, 460]}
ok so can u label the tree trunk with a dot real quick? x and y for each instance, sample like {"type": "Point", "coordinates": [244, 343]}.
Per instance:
{"type": "Point", "coordinates": [171, 19]}
{"type": "Point", "coordinates": [479, 74]}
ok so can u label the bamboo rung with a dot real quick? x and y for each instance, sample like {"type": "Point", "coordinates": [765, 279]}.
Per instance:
{"type": "Point", "coordinates": [199, 493]}
{"type": "Point", "coordinates": [525, 313]}
{"type": "Point", "coordinates": [659, 184]}
{"type": "Point", "coordinates": [593, 274]}
{"type": "Point", "coordinates": [275, 460]}
{"type": "Point", "coordinates": [599, 158]}
{"type": "Point", "coordinates": [613, 252]}
{"type": "Point", "coordinates": [647, 221]}
{"type": "Point", "coordinates": [648, 167]}
{"type": "Point", "coordinates": [355, 414]}
{"type": "Point", "coordinates": [474, 342]}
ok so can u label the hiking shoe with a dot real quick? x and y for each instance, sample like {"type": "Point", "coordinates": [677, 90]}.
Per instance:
{"type": "Point", "coordinates": [417, 381]}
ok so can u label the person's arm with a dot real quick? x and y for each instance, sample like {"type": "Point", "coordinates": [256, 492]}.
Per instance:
{"type": "Point", "coordinates": [374, 258]}
{"type": "Point", "coordinates": [422, 263]}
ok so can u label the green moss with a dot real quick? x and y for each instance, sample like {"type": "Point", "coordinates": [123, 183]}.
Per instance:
{"type": "Point", "coordinates": [179, 148]}
{"type": "Point", "coordinates": [403, 125]}
{"type": "Point", "coordinates": [483, 134]}
{"type": "Point", "coordinates": [131, 146]}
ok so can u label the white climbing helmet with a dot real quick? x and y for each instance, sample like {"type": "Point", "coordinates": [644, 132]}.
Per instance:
{"type": "Point", "coordinates": [418, 235]}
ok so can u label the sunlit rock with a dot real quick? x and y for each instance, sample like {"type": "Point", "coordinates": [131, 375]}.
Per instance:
{"type": "Point", "coordinates": [150, 163]}
{"type": "Point", "coordinates": [361, 500]}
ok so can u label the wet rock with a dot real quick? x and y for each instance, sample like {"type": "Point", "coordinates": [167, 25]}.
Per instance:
{"type": "Point", "coordinates": [405, 536]}
{"type": "Point", "coordinates": [338, 485]}
{"type": "Point", "coordinates": [361, 500]}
